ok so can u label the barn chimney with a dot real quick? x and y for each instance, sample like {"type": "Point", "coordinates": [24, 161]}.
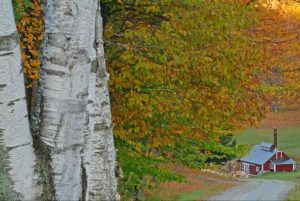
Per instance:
{"type": "Point", "coordinates": [275, 137]}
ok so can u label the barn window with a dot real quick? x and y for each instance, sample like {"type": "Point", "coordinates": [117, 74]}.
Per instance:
{"type": "Point", "coordinates": [257, 169]}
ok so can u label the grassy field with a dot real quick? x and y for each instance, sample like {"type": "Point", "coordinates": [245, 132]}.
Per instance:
{"type": "Point", "coordinates": [294, 195]}
{"type": "Point", "coordinates": [288, 138]}
{"type": "Point", "coordinates": [287, 176]}
{"type": "Point", "coordinates": [200, 194]}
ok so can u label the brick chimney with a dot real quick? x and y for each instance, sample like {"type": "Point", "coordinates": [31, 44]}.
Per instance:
{"type": "Point", "coordinates": [275, 137]}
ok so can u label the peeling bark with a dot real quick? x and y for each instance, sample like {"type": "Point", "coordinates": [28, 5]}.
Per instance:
{"type": "Point", "coordinates": [18, 159]}
{"type": "Point", "coordinates": [67, 56]}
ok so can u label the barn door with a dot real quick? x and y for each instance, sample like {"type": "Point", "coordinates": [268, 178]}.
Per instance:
{"type": "Point", "coordinates": [245, 167]}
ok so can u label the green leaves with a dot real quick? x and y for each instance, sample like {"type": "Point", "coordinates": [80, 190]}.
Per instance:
{"type": "Point", "coordinates": [140, 171]}
{"type": "Point", "coordinates": [201, 153]}
{"type": "Point", "coordinates": [18, 6]}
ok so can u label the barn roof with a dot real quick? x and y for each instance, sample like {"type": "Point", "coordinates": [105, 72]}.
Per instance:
{"type": "Point", "coordinates": [283, 161]}
{"type": "Point", "coordinates": [266, 146]}
{"type": "Point", "coordinates": [259, 155]}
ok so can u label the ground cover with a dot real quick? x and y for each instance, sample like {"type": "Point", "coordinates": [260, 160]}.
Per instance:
{"type": "Point", "coordinates": [199, 185]}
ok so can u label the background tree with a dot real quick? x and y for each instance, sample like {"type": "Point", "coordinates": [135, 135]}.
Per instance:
{"type": "Point", "coordinates": [279, 28]}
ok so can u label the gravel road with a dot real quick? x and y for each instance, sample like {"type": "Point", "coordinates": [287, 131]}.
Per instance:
{"type": "Point", "coordinates": [256, 189]}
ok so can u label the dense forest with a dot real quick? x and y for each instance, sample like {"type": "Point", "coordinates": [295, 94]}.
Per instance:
{"type": "Point", "coordinates": [114, 89]}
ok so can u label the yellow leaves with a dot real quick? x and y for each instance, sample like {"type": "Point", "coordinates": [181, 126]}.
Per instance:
{"type": "Point", "coordinates": [280, 33]}
{"type": "Point", "coordinates": [152, 8]}
{"type": "Point", "coordinates": [109, 31]}
{"type": "Point", "coordinates": [182, 70]}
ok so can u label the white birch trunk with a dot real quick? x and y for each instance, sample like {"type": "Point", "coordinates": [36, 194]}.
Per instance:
{"type": "Point", "coordinates": [15, 137]}
{"type": "Point", "coordinates": [88, 135]}
{"type": "Point", "coordinates": [103, 182]}
{"type": "Point", "coordinates": [68, 54]}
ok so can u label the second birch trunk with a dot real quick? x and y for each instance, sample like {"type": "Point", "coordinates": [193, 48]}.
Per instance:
{"type": "Point", "coordinates": [102, 180]}
{"type": "Point", "coordinates": [67, 56]}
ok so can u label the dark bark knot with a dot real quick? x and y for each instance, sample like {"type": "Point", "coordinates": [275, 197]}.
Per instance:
{"type": "Point", "coordinates": [2, 86]}
{"type": "Point", "coordinates": [9, 42]}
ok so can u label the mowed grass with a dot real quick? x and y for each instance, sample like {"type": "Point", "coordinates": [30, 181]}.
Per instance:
{"type": "Point", "coordinates": [212, 187]}
{"type": "Point", "coordinates": [200, 194]}
{"type": "Point", "coordinates": [294, 195]}
{"type": "Point", "coordinates": [287, 176]}
{"type": "Point", "coordinates": [288, 138]}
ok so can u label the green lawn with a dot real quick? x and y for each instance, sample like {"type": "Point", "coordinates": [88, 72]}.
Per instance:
{"type": "Point", "coordinates": [287, 176]}
{"type": "Point", "coordinates": [294, 195]}
{"type": "Point", "coordinates": [193, 195]}
{"type": "Point", "coordinates": [288, 139]}
{"type": "Point", "coordinates": [200, 194]}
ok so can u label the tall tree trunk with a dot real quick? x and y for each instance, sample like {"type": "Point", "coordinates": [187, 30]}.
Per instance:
{"type": "Point", "coordinates": [71, 113]}
{"type": "Point", "coordinates": [16, 152]}
{"type": "Point", "coordinates": [68, 53]}
{"type": "Point", "coordinates": [102, 182]}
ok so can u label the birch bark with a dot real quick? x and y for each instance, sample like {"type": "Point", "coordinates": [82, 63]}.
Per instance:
{"type": "Point", "coordinates": [67, 56]}
{"type": "Point", "coordinates": [88, 135]}
{"type": "Point", "coordinates": [102, 180]}
{"type": "Point", "coordinates": [72, 110]}
{"type": "Point", "coordinates": [17, 155]}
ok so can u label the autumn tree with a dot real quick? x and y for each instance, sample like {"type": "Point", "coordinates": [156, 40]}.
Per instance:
{"type": "Point", "coordinates": [190, 73]}
{"type": "Point", "coordinates": [182, 70]}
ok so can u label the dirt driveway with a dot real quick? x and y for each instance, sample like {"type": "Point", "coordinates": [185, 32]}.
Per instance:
{"type": "Point", "coordinates": [256, 189]}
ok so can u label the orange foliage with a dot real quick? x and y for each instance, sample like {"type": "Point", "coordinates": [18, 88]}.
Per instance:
{"type": "Point", "coordinates": [30, 28]}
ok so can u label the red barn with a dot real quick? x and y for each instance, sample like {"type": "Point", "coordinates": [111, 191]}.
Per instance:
{"type": "Point", "coordinates": [266, 157]}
